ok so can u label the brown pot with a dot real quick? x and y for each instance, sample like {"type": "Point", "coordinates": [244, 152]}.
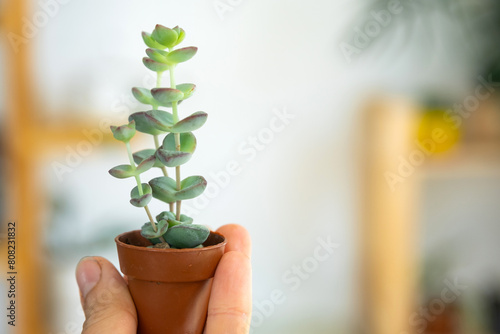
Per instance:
{"type": "Point", "coordinates": [170, 287]}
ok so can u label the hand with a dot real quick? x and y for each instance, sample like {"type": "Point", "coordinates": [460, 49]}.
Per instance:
{"type": "Point", "coordinates": [109, 308]}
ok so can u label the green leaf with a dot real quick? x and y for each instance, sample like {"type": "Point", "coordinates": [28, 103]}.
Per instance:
{"type": "Point", "coordinates": [161, 120]}
{"type": "Point", "coordinates": [146, 189]}
{"type": "Point", "coordinates": [170, 217]}
{"type": "Point", "coordinates": [157, 55]}
{"type": "Point", "coordinates": [125, 132]}
{"type": "Point", "coordinates": [144, 154]}
{"type": "Point", "coordinates": [188, 142]}
{"type": "Point", "coordinates": [173, 158]}
{"type": "Point", "coordinates": [186, 235]}
{"type": "Point", "coordinates": [154, 65]}
{"type": "Point", "coordinates": [165, 188]}
{"type": "Point", "coordinates": [190, 123]}
{"type": "Point", "coordinates": [143, 95]}
{"type": "Point", "coordinates": [187, 89]}
{"type": "Point", "coordinates": [185, 219]}
{"type": "Point", "coordinates": [139, 156]}
{"type": "Point", "coordinates": [148, 232]}
{"type": "Point", "coordinates": [153, 122]}
{"type": "Point", "coordinates": [165, 96]}
{"type": "Point", "coordinates": [169, 156]}
{"type": "Point", "coordinates": [192, 187]}
{"type": "Point", "coordinates": [139, 200]}
{"type": "Point", "coordinates": [181, 55]}
{"type": "Point", "coordinates": [165, 36]}
{"type": "Point", "coordinates": [181, 33]}
{"type": "Point", "coordinates": [122, 171]}
{"type": "Point", "coordinates": [144, 123]}
{"type": "Point", "coordinates": [146, 165]}
{"type": "Point", "coordinates": [151, 42]}
{"type": "Point", "coordinates": [165, 215]}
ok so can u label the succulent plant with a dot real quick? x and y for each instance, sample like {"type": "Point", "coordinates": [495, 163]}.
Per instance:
{"type": "Point", "coordinates": [169, 228]}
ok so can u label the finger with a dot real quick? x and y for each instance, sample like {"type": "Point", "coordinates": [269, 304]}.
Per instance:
{"type": "Point", "coordinates": [230, 307]}
{"type": "Point", "coordinates": [238, 239]}
{"type": "Point", "coordinates": [106, 300]}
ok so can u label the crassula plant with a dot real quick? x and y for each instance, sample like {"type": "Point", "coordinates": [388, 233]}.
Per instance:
{"type": "Point", "coordinates": [174, 145]}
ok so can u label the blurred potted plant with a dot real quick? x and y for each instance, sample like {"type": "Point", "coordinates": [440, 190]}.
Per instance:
{"type": "Point", "coordinates": [170, 261]}
{"type": "Point", "coordinates": [473, 25]}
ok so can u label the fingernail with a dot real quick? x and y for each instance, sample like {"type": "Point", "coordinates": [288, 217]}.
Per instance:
{"type": "Point", "coordinates": [88, 273]}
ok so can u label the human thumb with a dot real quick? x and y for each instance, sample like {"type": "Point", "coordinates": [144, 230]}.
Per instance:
{"type": "Point", "coordinates": [106, 300]}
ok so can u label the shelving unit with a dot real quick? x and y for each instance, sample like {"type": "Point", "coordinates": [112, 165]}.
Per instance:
{"type": "Point", "coordinates": [29, 138]}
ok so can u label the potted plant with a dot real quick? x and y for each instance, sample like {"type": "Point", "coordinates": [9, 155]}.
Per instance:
{"type": "Point", "coordinates": [169, 262]}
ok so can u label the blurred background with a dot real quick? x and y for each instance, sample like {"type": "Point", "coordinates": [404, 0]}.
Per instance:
{"type": "Point", "coordinates": [366, 136]}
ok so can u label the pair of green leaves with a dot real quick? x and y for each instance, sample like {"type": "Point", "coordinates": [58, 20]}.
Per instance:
{"type": "Point", "coordinates": [165, 188]}
{"type": "Point", "coordinates": [177, 233]}
{"type": "Point", "coordinates": [126, 171]}
{"type": "Point", "coordinates": [164, 96]}
{"type": "Point", "coordinates": [180, 236]}
{"type": "Point", "coordinates": [139, 156]}
{"type": "Point", "coordinates": [167, 155]}
{"type": "Point", "coordinates": [156, 122]}
{"type": "Point", "coordinates": [161, 61]}
{"type": "Point", "coordinates": [172, 220]}
{"type": "Point", "coordinates": [172, 57]}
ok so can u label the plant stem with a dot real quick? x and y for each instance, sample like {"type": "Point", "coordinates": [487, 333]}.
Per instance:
{"type": "Point", "coordinates": [139, 186]}
{"type": "Point", "coordinates": [158, 84]}
{"type": "Point", "coordinates": [164, 170]}
{"type": "Point", "coordinates": [158, 79]}
{"type": "Point", "coordinates": [155, 228]}
{"type": "Point", "coordinates": [157, 143]}
{"type": "Point", "coordinates": [177, 138]}
{"type": "Point", "coordinates": [174, 86]}
{"type": "Point", "coordinates": [132, 163]}
{"type": "Point", "coordinates": [153, 224]}
{"type": "Point", "coordinates": [157, 146]}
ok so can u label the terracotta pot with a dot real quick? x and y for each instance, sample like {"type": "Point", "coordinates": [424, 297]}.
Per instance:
{"type": "Point", "coordinates": [170, 287]}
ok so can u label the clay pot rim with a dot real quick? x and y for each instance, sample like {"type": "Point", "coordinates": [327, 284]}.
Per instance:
{"type": "Point", "coordinates": [169, 250]}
